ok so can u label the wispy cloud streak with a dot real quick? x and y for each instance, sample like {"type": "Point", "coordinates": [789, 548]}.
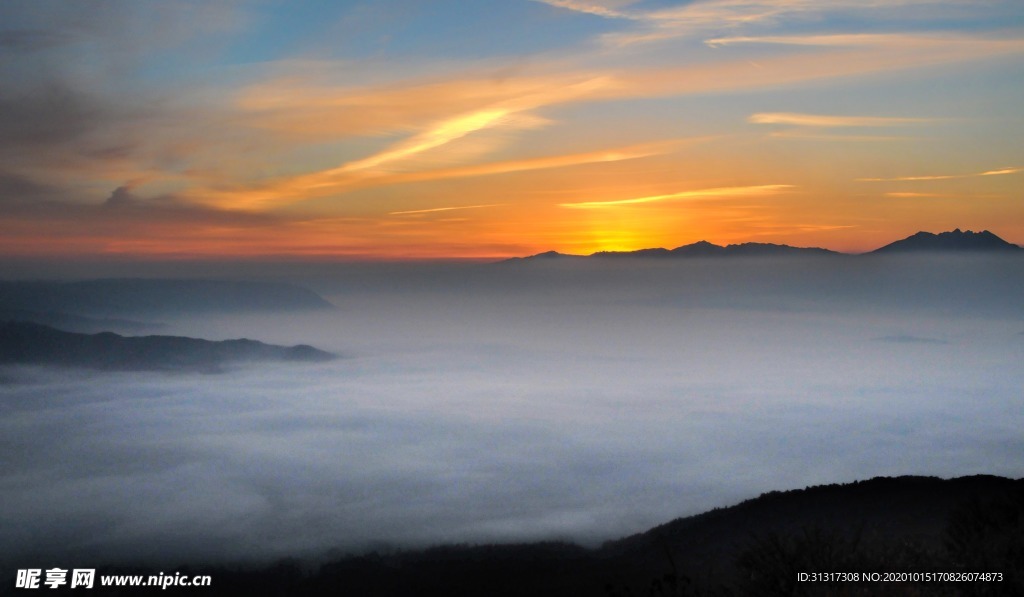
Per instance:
{"type": "Point", "coordinates": [338, 180]}
{"type": "Point", "coordinates": [853, 39]}
{"type": "Point", "coordinates": [693, 18]}
{"type": "Point", "coordinates": [437, 209]}
{"type": "Point", "coordinates": [696, 194]}
{"type": "Point", "coordinates": [589, 7]}
{"type": "Point", "coordinates": [999, 172]}
{"type": "Point", "coordinates": [459, 126]}
{"type": "Point", "coordinates": [440, 134]}
{"type": "Point", "coordinates": [831, 121]}
{"type": "Point", "coordinates": [631, 152]}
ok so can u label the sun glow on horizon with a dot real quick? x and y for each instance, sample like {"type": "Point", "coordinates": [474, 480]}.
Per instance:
{"type": "Point", "coordinates": [575, 125]}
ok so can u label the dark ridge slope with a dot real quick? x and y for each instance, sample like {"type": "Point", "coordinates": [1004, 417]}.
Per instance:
{"type": "Point", "coordinates": [706, 249]}
{"type": "Point", "coordinates": [545, 256]}
{"type": "Point", "coordinates": [754, 548]}
{"type": "Point", "coordinates": [78, 323]}
{"type": "Point", "coordinates": [955, 241]}
{"type": "Point", "coordinates": [903, 524]}
{"type": "Point", "coordinates": [881, 509]}
{"type": "Point", "coordinates": [33, 344]}
{"type": "Point", "coordinates": [697, 249]}
{"type": "Point", "coordinates": [773, 250]}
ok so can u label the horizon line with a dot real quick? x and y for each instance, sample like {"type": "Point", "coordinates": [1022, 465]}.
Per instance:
{"type": "Point", "coordinates": [367, 258]}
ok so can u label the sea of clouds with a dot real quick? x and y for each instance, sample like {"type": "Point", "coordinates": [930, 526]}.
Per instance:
{"type": "Point", "coordinates": [518, 402]}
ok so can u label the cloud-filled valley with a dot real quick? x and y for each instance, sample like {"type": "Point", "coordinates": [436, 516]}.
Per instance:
{"type": "Point", "coordinates": [502, 402]}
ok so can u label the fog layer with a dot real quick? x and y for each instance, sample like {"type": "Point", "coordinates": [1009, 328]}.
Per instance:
{"type": "Point", "coordinates": [520, 402]}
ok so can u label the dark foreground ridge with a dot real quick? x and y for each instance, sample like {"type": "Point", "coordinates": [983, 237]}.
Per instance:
{"type": "Point", "coordinates": [955, 241]}
{"type": "Point", "coordinates": [758, 547]}
{"type": "Point", "coordinates": [28, 343]}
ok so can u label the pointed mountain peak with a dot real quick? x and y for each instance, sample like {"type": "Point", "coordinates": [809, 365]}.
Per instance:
{"type": "Point", "coordinates": [955, 240]}
{"type": "Point", "coordinates": [699, 248]}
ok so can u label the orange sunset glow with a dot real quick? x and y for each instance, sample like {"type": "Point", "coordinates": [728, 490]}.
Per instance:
{"type": "Point", "coordinates": [576, 126]}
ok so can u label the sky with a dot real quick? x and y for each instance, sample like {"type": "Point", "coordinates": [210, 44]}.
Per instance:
{"type": "Point", "coordinates": [401, 129]}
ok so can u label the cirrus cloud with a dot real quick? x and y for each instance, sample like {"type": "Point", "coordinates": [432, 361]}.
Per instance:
{"type": "Point", "coordinates": [722, 192]}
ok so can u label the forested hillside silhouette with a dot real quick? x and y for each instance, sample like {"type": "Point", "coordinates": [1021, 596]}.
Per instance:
{"type": "Point", "coordinates": [903, 524]}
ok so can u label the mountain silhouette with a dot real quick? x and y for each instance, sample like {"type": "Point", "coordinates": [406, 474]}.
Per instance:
{"type": "Point", "coordinates": [705, 249]}
{"type": "Point", "coordinates": [769, 249]}
{"type": "Point", "coordinates": [79, 323]}
{"type": "Point", "coordinates": [547, 256]}
{"type": "Point", "coordinates": [955, 240]}
{"type": "Point", "coordinates": [757, 547]}
{"type": "Point", "coordinates": [698, 249]}
{"type": "Point", "coordinates": [34, 344]}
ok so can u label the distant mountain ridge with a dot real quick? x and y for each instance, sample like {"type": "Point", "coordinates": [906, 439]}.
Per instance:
{"type": "Point", "coordinates": [35, 344]}
{"type": "Point", "coordinates": [78, 323]}
{"type": "Point", "coordinates": [955, 240]}
{"type": "Point", "coordinates": [706, 249]}
{"type": "Point", "coordinates": [944, 242]}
